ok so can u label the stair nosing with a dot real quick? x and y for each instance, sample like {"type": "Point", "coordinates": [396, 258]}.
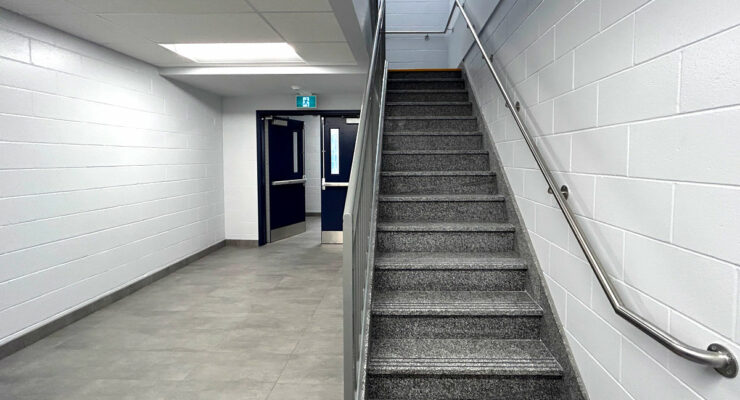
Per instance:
{"type": "Point", "coordinates": [539, 362]}
{"type": "Point", "coordinates": [445, 227]}
{"type": "Point", "coordinates": [432, 117]}
{"type": "Point", "coordinates": [397, 198]}
{"type": "Point", "coordinates": [523, 307]}
{"type": "Point", "coordinates": [434, 152]}
{"type": "Point", "coordinates": [427, 133]}
{"type": "Point", "coordinates": [426, 80]}
{"type": "Point", "coordinates": [429, 103]}
{"type": "Point", "coordinates": [437, 173]}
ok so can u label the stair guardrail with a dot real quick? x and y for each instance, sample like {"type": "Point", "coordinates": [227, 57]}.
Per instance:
{"type": "Point", "coordinates": [716, 355]}
{"type": "Point", "coordinates": [360, 215]}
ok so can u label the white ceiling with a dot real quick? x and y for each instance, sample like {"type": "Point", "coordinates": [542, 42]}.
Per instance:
{"type": "Point", "coordinates": [134, 27]}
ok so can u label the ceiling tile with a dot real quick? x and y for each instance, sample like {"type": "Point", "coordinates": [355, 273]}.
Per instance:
{"type": "Point", "coordinates": [150, 52]}
{"type": "Point", "coordinates": [163, 6]}
{"type": "Point", "coordinates": [306, 27]}
{"type": "Point", "coordinates": [203, 28]}
{"type": "Point", "coordinates": [291, 5]}
{"type": "Point", "coordinates": [325, 53]}
{"type": "Point", "coordinates": [40, 6]}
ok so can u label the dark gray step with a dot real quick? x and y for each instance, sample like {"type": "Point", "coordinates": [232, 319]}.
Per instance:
{"type": "Point", "coordinates": [430, 74]}
{"type": "Point", "coordinates": [503, 271]}
{"type": "Point", "coordinates": [442, 208]}
{"type": "Point", "coordinates": [431, 124]}
{"type": "Point", "coordinates": [462, 369]}
{"type": "Point", "coordinates": [428, 108]}
{"type": "Point", "coordinates": [432, 141]}
{"type": "Point", "coordinates": [426, 95]}
{"type": "Point", "coordinates": [455, 314]}
{"type": "Point", "coordinates": [415, 387]}
{"type": "Point", "coordinates": [426, 84]}
{"type": "Point", "coordinates": [435, 160]}
{"type": "Point", "coordinates": [445, 237]}
{"type": "Point", "coordinates": [438, 182]}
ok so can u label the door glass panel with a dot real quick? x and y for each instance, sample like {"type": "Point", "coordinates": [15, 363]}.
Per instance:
{"type": "Point", "coordinates": [295, 152]}
{"type": "Point", "coordinates": [335, 151]}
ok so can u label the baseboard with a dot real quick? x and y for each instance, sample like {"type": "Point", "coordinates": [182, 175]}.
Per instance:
{"type": "Point", "coordinates": [47, 329]}
{"type": "Point", "coordinates": [313, 214]}
{"type": "Point", "coordinates": [243, 244]}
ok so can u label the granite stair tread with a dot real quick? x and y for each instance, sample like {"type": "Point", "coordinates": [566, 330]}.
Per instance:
{"type": "Point", "coordinates": [446, 226]}
{"type": "Point", "coordinates": [432, 117]}
{"type": "Point", "coordinates": [459, 357]}
{"type": "Point", "coordinates": [444, 260]}
{"type": "Point", "coordinates": [425, 80]}
{"type": "Point", "coordinates": [440, 197]}
{"type": "Point", "coordinates": [455, 303]}
{"type": "Point", "coordinates": [428, 90]}
{"type": "Point", "coordinates": [426, 133]}
{"type": "Point", "coordinates": [437, 173]}
{"type": "Point", "coordinates": [428, 103]}
{"type": "Point", "coordinates": [414, 152]}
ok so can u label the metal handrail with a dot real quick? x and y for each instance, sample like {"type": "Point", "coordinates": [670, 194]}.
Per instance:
{"type": "Point", "coordinates": [716, 355]}
{"type": "Point", "coordinates": [359, 216]}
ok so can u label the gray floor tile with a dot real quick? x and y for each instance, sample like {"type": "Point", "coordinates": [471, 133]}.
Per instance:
{"type": "Point", "coordinates": [237, 324]}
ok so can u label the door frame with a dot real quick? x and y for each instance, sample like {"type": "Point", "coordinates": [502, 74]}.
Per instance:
{"type": "Point", "coordinates": [261, 156]}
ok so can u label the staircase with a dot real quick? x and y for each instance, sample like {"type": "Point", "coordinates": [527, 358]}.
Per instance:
{"type": "Point", "coordinates": [452, 314]}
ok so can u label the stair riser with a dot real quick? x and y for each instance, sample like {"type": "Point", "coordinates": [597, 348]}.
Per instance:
{"type": "Point", "coordinates": [425, 74]}
{"type": "Point", "coordinates": [455, 327]}
{"type": "Point", "coordinates": [431, 125]}
{"type": "Point", "coordinates": [433, 142]}
{"type": "Point", "coordinates": [438, 185]}
{"type": "Point", "coordinates": [442, 211]}
{"type": "Point", "coordinates": [429, 96]}
{"type": "Point", "coordinates": [425, 85]}
{"type": "Point", "coordinates": [469, 388]}
{"type": "Point", "coordinates": [457, 279]}
{"type": "Point", "coordinates": [445, 241]}
{"type": "Point", "coordinates": [429, 110]}
{"type": "Point", "coordinates": [435, 162]}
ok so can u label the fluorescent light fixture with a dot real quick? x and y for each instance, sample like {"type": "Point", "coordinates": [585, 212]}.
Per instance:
{"type": "Point", "coordinates": [236, 53]}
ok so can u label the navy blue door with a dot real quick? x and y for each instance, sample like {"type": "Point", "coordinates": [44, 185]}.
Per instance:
{"type": "Point", "coordinates": [286, 189]}
{"type": "Point", "coordinates": [338, 146]}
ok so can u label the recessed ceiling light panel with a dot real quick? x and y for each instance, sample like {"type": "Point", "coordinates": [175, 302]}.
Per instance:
{"type": "Point", "coordinates": [237, 53]}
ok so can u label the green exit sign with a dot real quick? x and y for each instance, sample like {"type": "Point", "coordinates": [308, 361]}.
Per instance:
{"type": "Point", "coordinates": [305, 101]}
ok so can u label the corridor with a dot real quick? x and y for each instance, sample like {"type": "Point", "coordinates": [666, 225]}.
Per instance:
{"type": "Point", "coordinates": [259, 323]}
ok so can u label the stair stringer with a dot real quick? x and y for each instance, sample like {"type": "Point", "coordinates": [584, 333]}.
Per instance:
{"type": "Point", "coordinates": [552, 332]}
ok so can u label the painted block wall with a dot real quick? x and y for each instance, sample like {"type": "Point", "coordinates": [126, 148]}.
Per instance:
{"type": "Point", "coordinates": [108, 173]}
{"type": "Point", "coordinates": [414, 51]}
{"type": "Point", "coordinates": [636, 106]}
{"type": "Point", "coordinates": [240, 153]}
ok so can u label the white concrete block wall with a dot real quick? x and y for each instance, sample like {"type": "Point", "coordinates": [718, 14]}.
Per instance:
{"type": "Point", "coordinates": [414, 51]}
{"type": "Point", "coordinates": [636, 106]}
{"type": "Point", "coordinates": [108, 173]}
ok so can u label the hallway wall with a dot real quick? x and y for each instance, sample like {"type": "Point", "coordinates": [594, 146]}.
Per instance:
{"type": "Point", "coordinates": [636, 104]}
{"type": "Point", "coordinates": [413, 51]}
{"type": "Point", "coordinates": [240, 153]}
{"type": "Point", "coordinates": [108, 173]}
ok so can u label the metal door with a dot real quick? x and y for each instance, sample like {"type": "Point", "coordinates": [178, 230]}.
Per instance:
{"type": "Point", "coordinates": [285, 178]}
{"type": "Point", "coordinates": [338, 146]}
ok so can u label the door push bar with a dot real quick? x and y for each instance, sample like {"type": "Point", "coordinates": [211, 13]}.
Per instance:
{"type": "Point", "coordinates": [325, 184]}
{"type": "Point", "coordinates": [289, 182]}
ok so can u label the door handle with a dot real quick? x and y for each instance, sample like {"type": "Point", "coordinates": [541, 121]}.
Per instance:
{"type": "Point", "coordinates": [289, 182]}
{"type": "Point", "coordinates": [325, 184]}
